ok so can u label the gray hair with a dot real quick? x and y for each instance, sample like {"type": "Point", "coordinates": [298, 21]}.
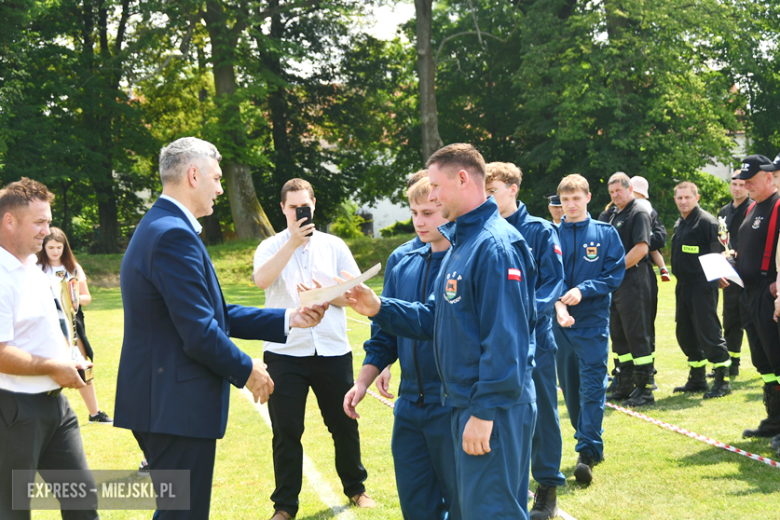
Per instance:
{"type": "Point", "coordinates": [620, 177]}
{"type": "Point", "coordinates": [181, 152]}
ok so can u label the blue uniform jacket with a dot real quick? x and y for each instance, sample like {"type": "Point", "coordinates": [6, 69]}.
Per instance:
{"type": "Point", "coordinates": [480, 317]}
{"type": "Point", "coordinates": [595, 263]}
{"type": "Point", "coordinates": [177, 361]}
{"type": "Point", "coordinates": [545, 247]}
{"type": "Point", "coordinates": [412, 279]}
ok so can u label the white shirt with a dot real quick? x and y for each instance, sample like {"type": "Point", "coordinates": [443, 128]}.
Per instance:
{"type": "Point", "coordinates": [29, 320]}
{"type": "Point", "coordinates": [187, 213]}
{"type": "Point", "coordinates": [53, 271]}
{"type": "Point", "coordinates": [323, 257]}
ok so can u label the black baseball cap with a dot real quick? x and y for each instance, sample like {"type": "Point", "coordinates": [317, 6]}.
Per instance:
{"type": "Point", "coordinates": [554, 199]}
{"type": "Point", "coordinates": [772, 167]}
{"type": "Point", "coordinates": [752, 164]}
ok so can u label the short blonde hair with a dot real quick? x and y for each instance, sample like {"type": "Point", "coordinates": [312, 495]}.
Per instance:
{"type": "Point", "coordinates": [573, 182]}
{"type": "Point", "coordinates": [504, 172]}
{"type": "Point", "coordinates": [419, 191]}
{"type": "Point", "coordinates": [687, 184]}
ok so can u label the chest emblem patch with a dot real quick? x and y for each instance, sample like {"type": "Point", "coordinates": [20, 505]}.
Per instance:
{"type": "Point", "coordinates": [757, 222]}
{"type": "Point", "coordinates": [451, 287]}
{"type": "Point", "coordinates": [591, 251]}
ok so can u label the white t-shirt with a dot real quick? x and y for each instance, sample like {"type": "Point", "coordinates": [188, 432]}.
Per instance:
{"type": "Point", "coordinates": [324, 257]}
{"type": "Point", "coordinates": [54, 271]}
{"type": "Point", "coordinates": [29, 320]}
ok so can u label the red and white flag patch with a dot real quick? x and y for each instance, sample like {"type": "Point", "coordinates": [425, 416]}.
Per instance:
{"type": "Point", "coordinates": [514, 274]}
{"type": "Point", "coordinates": [557, 249]}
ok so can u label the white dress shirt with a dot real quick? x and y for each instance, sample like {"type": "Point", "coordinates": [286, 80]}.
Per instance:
{"type": "Point", "coordinates": [322, 258]}
{"type": "Point", "coordinates": [29, 320]}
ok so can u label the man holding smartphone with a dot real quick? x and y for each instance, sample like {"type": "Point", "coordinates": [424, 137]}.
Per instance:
{"type": "Point", "coordinates": [320, 358]}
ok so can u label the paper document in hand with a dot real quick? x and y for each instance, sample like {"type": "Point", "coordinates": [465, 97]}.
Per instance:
{"type": "Point", "coordinates": [326, 294]}
{"type": "Point", "coordinates": [716, 266]}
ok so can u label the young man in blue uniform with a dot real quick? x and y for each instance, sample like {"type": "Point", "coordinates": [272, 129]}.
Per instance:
{"type": "Point", "coordinates": [481, 318]}
{"type": "Point", "coordinates": [594, 261]}
{"type": "Point", "coordinates": [422, 437]}
{"type": "Point", "coordinates": [503, 182]}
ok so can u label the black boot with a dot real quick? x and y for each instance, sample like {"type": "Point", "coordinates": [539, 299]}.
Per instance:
{"type": "Point", "coordinates": [696, 381]}
{"type": "Point", "coordinates": [642, 395]}
{"type": "Point", "coordinates": [721, 386]}
{"type": "Point", "coordinates": [770, 426]}
{"type": "Point", "coordinates": [545, 503]}
{"type": "Point", "coordinates": [623, 387]}
{"type": "Point", "coordinates": [734, 368]}
{"type": "Point", "coordinates": [583, 471]}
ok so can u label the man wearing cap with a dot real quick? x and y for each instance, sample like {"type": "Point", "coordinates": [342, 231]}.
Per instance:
{"type": "Point", "coordinates": [755, 264]}
{"type": "Point", "coordinates": [733, 214]}
{"type": "Point", "coordinates": [698, 329]}
{"type": "Point", "coordinates": [555, 208]}
{"type": "Point", "coordinates": [632, 328]}
{"type": "Point", "coordinates": [658, 238]}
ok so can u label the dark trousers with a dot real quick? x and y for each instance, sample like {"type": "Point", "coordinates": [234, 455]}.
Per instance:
{"type": "Point", "coordinates": [631, 316]}
{"type": "Point", "coordinates": [698, 328]}
{"type": "Point", "coordinates": [164, 451]}
{"type": "Point", "coordinates": [330, 378]}
{"type": "Point", "coordinates": [732, 320]}
{"type": "Point", "coordinates": [758, 307]}
{"type": "Point", "coordinates": [39, 431]}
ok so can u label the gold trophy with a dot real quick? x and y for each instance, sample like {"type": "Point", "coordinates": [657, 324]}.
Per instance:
{"type": "Point", "coordinates": [70, 302]}
{"type": "Point", "coordinates": [725, 238]}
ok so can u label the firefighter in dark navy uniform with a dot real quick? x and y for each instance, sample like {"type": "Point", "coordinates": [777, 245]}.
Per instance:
{"type": "Point", "coordinates": [734, 214]}
{"type": "Point", "coordinates": [755, 265]}
{"type": "Point", "coordinates": [632, 328]}
{"type": "Point", "coordinates": [698, 330]}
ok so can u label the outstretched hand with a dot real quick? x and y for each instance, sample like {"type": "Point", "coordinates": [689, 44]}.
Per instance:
{"type": "Point", "coordinates": [305, 317]}
{"type": "Point", "coordinates": [361, 297]}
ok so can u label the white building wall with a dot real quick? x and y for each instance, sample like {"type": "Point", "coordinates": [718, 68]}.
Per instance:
{"type": "Point", "coordinates": [385, 213]}
{"type": "Point", "coordinates": [724, 171]}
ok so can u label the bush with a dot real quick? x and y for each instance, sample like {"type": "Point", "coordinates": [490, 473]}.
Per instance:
{"type": "Point", "coordinates": [347, 224]}
{"type": "Point", "coordinates": [402, 227]}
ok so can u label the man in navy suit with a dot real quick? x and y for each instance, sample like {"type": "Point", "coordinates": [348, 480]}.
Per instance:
{"type": "Point", "coordinates": [178, 362]}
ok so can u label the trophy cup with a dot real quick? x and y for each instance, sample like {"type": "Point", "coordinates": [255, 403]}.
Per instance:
{"type": "Point", "coordinates": [724, 238]}
{"type": "Point", "coordinates": [70, 302]}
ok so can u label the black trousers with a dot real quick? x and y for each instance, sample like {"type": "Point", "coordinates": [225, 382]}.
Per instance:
{"type": "Point", "coordinates": [330, 378]}
{"type": "Point", "coordinates": [758, 308]}
{"type": "Point", "coordinates": [39, 431]}
{"type": "Point", "coordinates": [164, 451]}
{"type": "Point", "coordinates": [732, 320]}
{"type": "Point", "coordinates": [631, 319]}
{"type": "Point", "coordinates": [698, 328]}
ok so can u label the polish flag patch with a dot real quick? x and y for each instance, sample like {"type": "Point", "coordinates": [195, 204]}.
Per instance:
{"type": "Point", "coordinates": [557, 250]}
{"type": "Point", "coordinates": [514, 274]}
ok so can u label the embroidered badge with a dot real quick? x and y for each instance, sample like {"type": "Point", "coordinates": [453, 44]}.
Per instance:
{"type": "Point", "coordinates": [690, 249]}
{"type": "Point", "coordinates": [514, 274]}
{"type": "Point", "coordinates": [757, 222]}
{"type": "Point", "coordinates": [451, 287]}
{"type": "Point", "coordinates": [591, 251]}
{"type": "Point", "coordinates": [557, 250]}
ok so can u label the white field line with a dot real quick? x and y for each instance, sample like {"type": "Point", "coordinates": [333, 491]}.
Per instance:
{"type": "Point", "coordinates": [359, 321]}
{"type": "Point", "coordinates": [321, 486]}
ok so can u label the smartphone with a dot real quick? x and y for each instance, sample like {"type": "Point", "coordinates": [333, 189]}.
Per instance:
{"type": "Point", "coordinates": [304, 212]}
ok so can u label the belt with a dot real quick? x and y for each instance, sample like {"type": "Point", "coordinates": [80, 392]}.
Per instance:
{"type": "Point", "coordinates": [52, 393]}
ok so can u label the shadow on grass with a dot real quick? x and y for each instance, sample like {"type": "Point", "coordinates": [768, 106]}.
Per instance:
{"type": "Point", "coordinates": [326, 513]}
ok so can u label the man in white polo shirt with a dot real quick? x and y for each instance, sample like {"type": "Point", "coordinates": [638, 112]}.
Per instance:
{"type": "Point", "coordinates": [319, 358]}
{"type": "Point", "coordinates": [38, 429]}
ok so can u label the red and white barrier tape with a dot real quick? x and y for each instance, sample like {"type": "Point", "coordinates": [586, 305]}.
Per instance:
{"type": "Point", "coordinates": [693, 435]}
{"type": "Point", "coordinates": [563, 514]}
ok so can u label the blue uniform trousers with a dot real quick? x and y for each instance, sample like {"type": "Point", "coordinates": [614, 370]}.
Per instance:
{"type": "Point", "coordinates": [547, 444]}
{"type": "Point", "coordinates": [582, 369]}
{"type": "Point", "coordinates": [495, 485]}
{"type": "Point", "coordinates": [424, 461]}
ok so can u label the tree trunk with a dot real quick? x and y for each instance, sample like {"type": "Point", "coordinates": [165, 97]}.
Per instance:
{"type": "Point", "coordinates": [249, 219]}
{"type": "Point", "coordinates": [212, 227]}
{"type": "Point", "coordinates": [426, 71]}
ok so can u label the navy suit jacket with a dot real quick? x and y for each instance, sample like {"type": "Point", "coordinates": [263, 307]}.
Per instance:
{"type": "Point", "coordinates": [177, 359]}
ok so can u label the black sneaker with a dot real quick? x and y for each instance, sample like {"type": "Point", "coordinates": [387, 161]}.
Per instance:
{"type": "Point", "coordinates": [583, 472]}
{"type": "Point", "coordinates": [100, 418]}
{"type": "Point", "coordinates": [545, 503]}
{"type": "Point", "coordinates": [143, 469]}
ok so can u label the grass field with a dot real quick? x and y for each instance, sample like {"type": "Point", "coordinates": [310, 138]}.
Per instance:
{"type": "Point", "coordinates": [649, 472]}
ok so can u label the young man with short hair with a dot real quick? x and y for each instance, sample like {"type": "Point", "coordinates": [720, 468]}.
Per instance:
{"type": "Point", "coordinates": [698, 328]}
{"type": "Point", "coordinates": [423, 452]}
{"type": "Point", "coordinates": [319, 358]}
{"type": "Point", "coordinates": [503, 182]}
{"type": "Point", "coordinates": [594, 266]}
{"type": "Point", "coordinates": [480, 318]}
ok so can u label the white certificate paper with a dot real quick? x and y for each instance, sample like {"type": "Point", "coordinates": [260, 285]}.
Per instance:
{"type": "Point", "coordinates": [326, 294]}
{"type": "Point", "coordinates": [716, 267]}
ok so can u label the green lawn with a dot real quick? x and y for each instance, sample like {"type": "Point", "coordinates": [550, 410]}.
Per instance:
{"type": "Point", "coordinates": [649, 472]}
